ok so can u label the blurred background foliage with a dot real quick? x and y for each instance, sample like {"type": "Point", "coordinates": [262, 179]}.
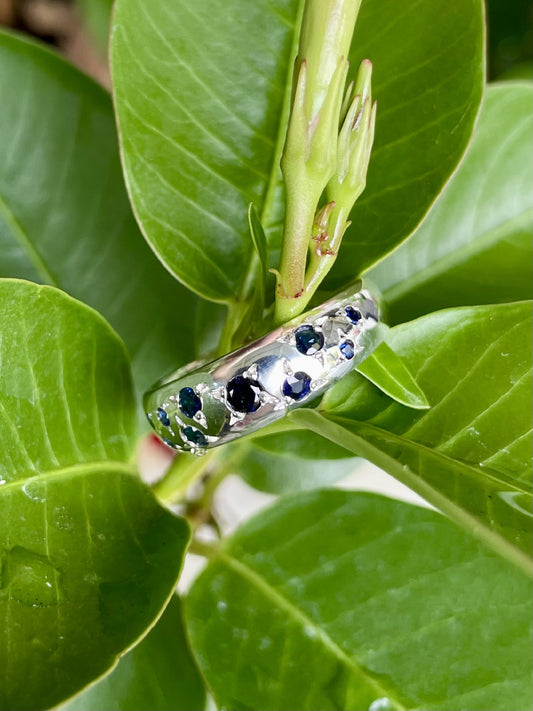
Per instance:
{"type": "Point", "coordinates": [78, 28]}
{"type": "Point", "coordinates": [510, 39]}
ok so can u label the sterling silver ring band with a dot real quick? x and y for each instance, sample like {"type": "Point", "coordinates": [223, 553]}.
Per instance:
{"type": "Point", "coordinates": [205, 405]}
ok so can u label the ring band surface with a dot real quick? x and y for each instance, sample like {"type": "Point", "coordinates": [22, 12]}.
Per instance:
{"type": "Point", "coordinates": [205, 405]}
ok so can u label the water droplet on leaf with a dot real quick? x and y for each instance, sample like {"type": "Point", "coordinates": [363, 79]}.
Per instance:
{"type": "Point", "coordinates": [517, 500]}
{"type": "Point", "coordinates": [30, 578]}
{"type": "Point", "coordinates": [309, 631]}
{"type": "Point", "coordinates": [35, 490]}
{"type": "Point", "coordinates": [62, 518]}
{"type": "Point", "coordinates": [382, 704]}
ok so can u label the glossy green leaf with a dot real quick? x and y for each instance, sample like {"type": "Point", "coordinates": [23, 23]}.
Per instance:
{"type": "Point", "coordinates": [258, 238]}
{"type": "Point", "coordinates": [388, 372]}
{"type": "Point", "coordinates": [202, 93]}
{"type": "Point", "coordinates": [475, 246]}
{"type": "Point", "coordinates": [200, 88]}
{"type": "Point", "coordinates": [261, 269]}
{"type": "Point", "coordinates": [470, 454]}
{"type": "Point", "coordinates": [281, 471]}
{"type": "Point", "coordinates": [428, 79]}
{"type": "Point", "coordinates": [158, 674]}
{"type": "Point", "coordinates": [342, 600]}
{"type": "Point", "coordinates": [88, 558]}
{"type": "Point", "coordinates": [247, 317]}
{"type": "Point", "coordinates": [296, 441]}
{"type": "Point", "coordinates": [65, 219]}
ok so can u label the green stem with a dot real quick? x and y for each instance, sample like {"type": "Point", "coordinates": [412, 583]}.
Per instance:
{"type": "Point", "coordinates": [182, 473]}
{"type": "Point", "coordinates": [186, 469]}
{"type": "Point", "coordinates": [310, 152]}
{"type": "Point", "coordinates": [299, 216]}
{"type": "Point", "coordinates": [320, 264]}
{"type": "Point", "coordinates": [206, 550]}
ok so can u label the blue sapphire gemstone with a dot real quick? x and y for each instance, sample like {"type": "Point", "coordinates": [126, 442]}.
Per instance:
{"type": "Point", "coordinates": [353, 314]}
{"type": "Point", "coordinates": [347, 349]}
{"type": "Point", "coordinates": [194, 436]}
{"type": "Point", "coordinates": [297, 386]}
{"type": "Point", "coordinates": [189, 402]}
{"type": "Point", "coordinates": [308, 339]}
{"type": "Point", "coordinates": [243, 394]}
{"type": "Point", "coordinates": [168, 442]}
{"type": "Point", "coordinates": [162, 416]}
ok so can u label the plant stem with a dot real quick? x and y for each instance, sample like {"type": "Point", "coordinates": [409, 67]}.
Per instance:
{"type": "Point", "coordinates": [320, 264]}
{"type": "Point", "coordinates": [299, 216]}
{"type": "Point", "coordinates": [186, 469]}
{"type": "Point", "coordinates": [206, 550]}
{"type": "Point", "coordinates": [310, 153]}
{"type": "Point", "coordinates": [182, 473]}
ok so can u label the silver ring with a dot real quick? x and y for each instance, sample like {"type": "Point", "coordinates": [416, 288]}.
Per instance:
{"type": "Point", "coordinates": [207, 404]}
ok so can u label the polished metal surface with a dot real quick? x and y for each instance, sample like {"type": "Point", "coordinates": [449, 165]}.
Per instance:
{"type": "Point", "coordinates": [259, 383]}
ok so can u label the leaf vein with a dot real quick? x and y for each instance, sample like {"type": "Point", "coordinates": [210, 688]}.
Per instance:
{"type": "Point", "coordinates": [449, 442]}
{"type": "Point", "coordinates": [298, 616]}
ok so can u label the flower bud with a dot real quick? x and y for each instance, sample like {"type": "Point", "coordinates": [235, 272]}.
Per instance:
{"type": "Point", "coordinates": [355, 142]}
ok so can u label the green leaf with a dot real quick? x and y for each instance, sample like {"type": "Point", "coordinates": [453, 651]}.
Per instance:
{"type": "Point", "coordinates": [470, 454]}
{"type": "Point", "coordinates": [258, 238]}
{"type": "Point", "coordinates": [297, 442]}
{"type": "Point", "coordinates": [475, 246]}
{"type": "Point", "coordinates": [65, 219]}
{"type": "Point", "coordinates": [200, 89]}
{"type": "Point", "coordinates": [261, 270]}
{"type": "Point", "coordinates": [428, 82]}
{"type": "Point", "coordinates": [281, 471]}
{"type": "Point", "coordinates": [157, 674]}
{"type": "Point", "coordinates": [247, 317]}
{"type": "Point", "coordinates": [88, 558]}
{"type": "Point", "coordinates": [341, 600]}
{"type": "Point", "coordinates": [203, 90]}
{"type": "Point", "coordinates": [388, 372]}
